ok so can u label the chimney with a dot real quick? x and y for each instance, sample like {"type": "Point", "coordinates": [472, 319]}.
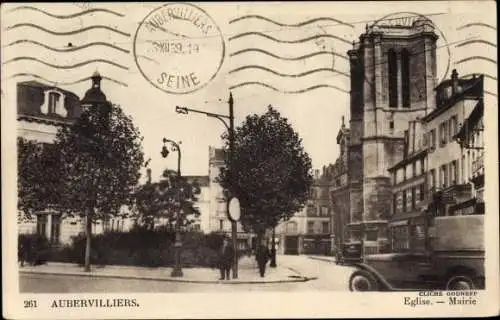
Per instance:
{"type": "Point", "coordinates": [148, 173]}
{"type": "Point", "coordinates": [454, 81]}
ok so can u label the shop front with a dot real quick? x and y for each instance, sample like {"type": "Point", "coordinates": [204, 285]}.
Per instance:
{"type": "Point", "coordinates": [317, 244]}
{"type": "Point", "coordinates": [407, 232]}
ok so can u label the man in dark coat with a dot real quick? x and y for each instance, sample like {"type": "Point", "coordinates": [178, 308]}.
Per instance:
{"type": "Point", "coordinates": [262, 256]}
{"type": "Point", "coordinates": [226, 259]}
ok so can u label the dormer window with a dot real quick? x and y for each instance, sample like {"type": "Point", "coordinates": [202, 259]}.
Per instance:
{"type": "Point", "coordinates": [54, 103]}
{"type": "Point", "coordinates": [54, 98]}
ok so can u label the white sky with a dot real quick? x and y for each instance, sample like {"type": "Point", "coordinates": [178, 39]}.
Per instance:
{"type": "Point", "coordinates": [315, 115]}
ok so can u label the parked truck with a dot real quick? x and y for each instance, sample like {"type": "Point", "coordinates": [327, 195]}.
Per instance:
{"type": "Point", "coordinates": [453, 260]}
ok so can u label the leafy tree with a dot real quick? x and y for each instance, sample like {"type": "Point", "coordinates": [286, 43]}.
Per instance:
{"type": "Point", "coordinates": [270, 173]}
{"type": "Point", "coordinates": [163, 200]}
{"type": "Point", "coordinates": [38, 178]}
{"type": "Point", "coordinates": [100, 159]}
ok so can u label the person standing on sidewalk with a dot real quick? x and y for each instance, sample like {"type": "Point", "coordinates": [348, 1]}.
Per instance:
{"type": "Point", "coordinates": [225, 259]}
{"type": "Point", "coordinates": [262, 256]}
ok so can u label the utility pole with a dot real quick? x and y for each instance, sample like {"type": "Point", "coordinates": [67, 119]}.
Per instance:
{"type": "Point", "coordinates": [230, 128]}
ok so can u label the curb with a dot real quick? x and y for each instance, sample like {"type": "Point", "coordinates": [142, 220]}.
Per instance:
{"type": "Point", "coordinates": [231, 282]}
{"type": "Point", "coordinates": [321, 259]}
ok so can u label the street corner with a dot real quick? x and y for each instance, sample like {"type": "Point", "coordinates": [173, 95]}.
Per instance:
{"type": "Point", "coordinates": [190, 275]}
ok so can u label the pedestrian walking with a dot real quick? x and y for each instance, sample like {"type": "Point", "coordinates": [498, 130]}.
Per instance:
{"type": "Point", "coordinates": [225, 259]}
{"type": "Point", "coordinates": [262, 256]}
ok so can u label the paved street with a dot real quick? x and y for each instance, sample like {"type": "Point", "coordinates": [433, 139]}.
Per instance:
{"type": "Point", "coordinates": [329, 277]}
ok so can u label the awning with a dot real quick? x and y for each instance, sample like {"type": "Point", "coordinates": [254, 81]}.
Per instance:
{"type": "Point", "coordinates": [398, 223]}
{"type": "Point", "coordinates": [406, 216]}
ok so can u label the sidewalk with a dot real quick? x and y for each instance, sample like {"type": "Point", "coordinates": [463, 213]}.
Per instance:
{"type": "Point", "coordinates": [323, 258]}
{"type": "Point", "coordinates": [247, 273]}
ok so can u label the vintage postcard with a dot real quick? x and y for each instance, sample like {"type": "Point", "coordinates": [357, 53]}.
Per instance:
{"type": "Point", "coordinates": [249, 160]}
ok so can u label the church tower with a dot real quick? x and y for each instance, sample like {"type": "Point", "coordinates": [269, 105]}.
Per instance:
{"type": "Point", "coordinates": [393, 76]}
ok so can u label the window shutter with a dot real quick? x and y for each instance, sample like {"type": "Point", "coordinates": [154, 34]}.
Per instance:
{"type": "Point", "coordinates": [399, 202]}
{"type": "Point", "coordinates": [417, 195]}
{"type": "Point", "coordinates": [408, 200]}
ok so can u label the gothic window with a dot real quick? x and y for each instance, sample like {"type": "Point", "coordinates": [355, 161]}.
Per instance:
{"type": "Point", "coordinates": [393, 78]}
{"type": "Point", "coordinates": [405, 77]}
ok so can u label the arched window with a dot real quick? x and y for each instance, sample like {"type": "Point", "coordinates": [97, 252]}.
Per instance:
{"type": "Point", "coordinates": [405, 77]}
{"type": "Point", "coordinates": [393, 78]}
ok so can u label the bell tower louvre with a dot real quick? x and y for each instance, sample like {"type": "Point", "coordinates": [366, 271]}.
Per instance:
{"type": "Point", "coordinates": [393, 76]}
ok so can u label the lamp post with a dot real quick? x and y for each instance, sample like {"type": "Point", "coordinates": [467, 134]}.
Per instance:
{"type": "Point", "coordinates": [230, 128]}
{"type": "Point", "coordinates": [177, 271]}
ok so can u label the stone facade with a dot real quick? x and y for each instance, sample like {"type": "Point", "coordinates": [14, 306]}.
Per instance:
{"type": "Point", "coordinates": [393, 73]}
{"type": "Point", "coordinates": [339, 191]}
{"type": "Point", "coordinates": [218, 220]}
{"type": "Point", "coordinates": [310, 230]}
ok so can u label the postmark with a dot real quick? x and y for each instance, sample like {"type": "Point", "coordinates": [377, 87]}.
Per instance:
{"type": "Point", "coordinates": [178, 48]}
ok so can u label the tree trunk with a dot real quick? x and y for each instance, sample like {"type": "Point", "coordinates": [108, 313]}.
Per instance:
{"type": "Point", "coordinates": [273, 250]}
{"type": "Point", "coordinates": [88, 233]}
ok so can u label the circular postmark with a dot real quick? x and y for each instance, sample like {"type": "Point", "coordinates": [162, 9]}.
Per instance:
{"type": "Point", "coordinates": [178, 48]}
{"type": "Point", "coordinates": [325, 43]}
{"type": "Point", "coordinates": [409, 20]}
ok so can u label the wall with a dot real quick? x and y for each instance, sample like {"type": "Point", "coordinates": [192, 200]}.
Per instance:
{"type": "Point", "coordinates": [451, 150]}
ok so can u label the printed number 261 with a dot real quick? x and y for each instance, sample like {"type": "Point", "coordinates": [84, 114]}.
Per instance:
{"type": "Point", "coordinates": [30, 304]}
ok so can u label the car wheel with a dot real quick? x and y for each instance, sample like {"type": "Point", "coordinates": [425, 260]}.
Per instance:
{"type": "Point", "coordinates": [363, 281]}
{"type": "Point", "coordinates": [460, 282]}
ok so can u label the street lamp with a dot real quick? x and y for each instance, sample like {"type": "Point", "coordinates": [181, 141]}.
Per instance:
{"type": "Point", "coordinates": [177, 271]}
{"type": "Point", "coordinates": [230, 128]}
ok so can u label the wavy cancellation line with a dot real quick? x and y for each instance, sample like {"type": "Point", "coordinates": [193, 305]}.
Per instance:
{"type": "Point", "coordinates": [243, 84]}
{"type": "Point", "coordinates": [299, 24]}
{"type": "Point", "coordinates": [476, 24]}
{"type": "Point", "coordinates": [64, 83]}
{"type": "Point", "coordinates": [67, 49]}
{"type": "Point", "coordinates": [297, 75]}
{"type": "Point", "coordinates": [475, 58]}
{"type": "Point", "coordinates": [68, 16]}
{"type": "Point", "coordinates": [288, 58]}
{"type": "Point", "coordinates": [80, 64]}
{"type": "Point", "coordinates": [245, 34]}
{"type": "Point", "coordinates": [31, 25]}
{"type": "Point", "coordinates": [465, 43]}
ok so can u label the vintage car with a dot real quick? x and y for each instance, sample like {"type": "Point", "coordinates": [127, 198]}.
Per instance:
{"type": "Point", "coordinates": [453, 261]}
{"type": "Point", "coordinates": [350, 253]}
